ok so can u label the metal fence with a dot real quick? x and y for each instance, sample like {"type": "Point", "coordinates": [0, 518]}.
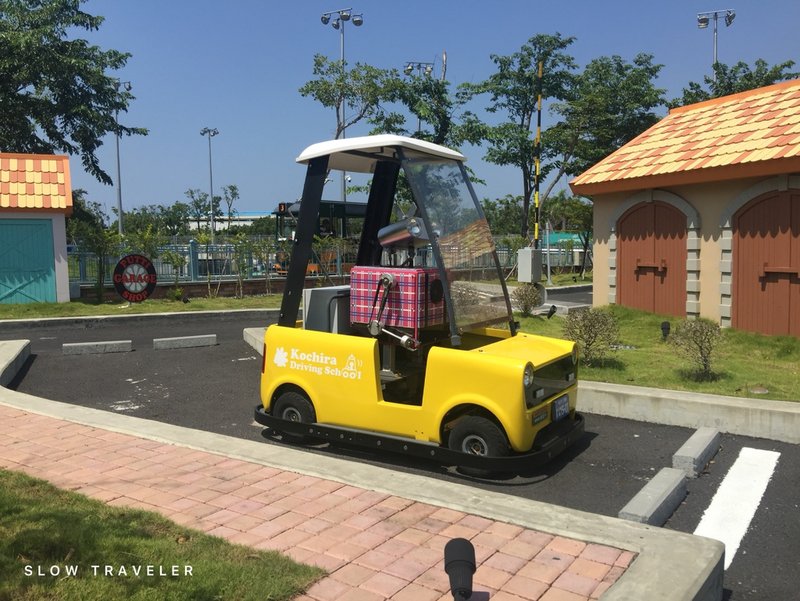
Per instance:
{"type": "Point", "coordinates": [195, 262]}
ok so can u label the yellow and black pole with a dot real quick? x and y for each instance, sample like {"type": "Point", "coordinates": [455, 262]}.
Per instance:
{"type": "Point", "coordinates": [537, 161]}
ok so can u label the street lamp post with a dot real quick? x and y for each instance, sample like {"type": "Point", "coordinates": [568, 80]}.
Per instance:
{"type": "Point", "coordinates": [126, 85]}
{"type": "Point", "coordinates": [340, 17]}
{"type": "Point", "coordinates": [210, 132]}
{"type": "Point", "coordinates": [704, 18]}
{"type": "Point", "coordinates": [421, 68]}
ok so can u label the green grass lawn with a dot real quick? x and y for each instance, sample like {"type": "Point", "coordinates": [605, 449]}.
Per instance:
{"type": "Point", "coordinates": [744, 362]}
{"type": "Point", "coordinates": [87, 308]}
{"type": "Point", "coordinates": [566, 278]}
{"type": "Point", "coordinates": [43, 528]}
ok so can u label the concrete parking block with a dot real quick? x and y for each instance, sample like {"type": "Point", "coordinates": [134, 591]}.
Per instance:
{"type": "Point", "coordinates": [255, 338]}
{"type": "Point", "coordinates": [696, 452]}
{"type": "Point", "coordinates": [89, 348]}
{"type": "Point", "coordinates": [160, 344]}
{"type": "Point", "coordinates": [659, 498]}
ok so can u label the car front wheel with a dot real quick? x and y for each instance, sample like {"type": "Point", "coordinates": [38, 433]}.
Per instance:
{"type": "Point", "coordinates": [478, 436]}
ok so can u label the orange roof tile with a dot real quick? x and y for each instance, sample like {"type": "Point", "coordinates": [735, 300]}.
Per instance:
{"type": "Point", "coordinates": [32, 182]}
{"type": "Point", "coordinates": [751, 134]}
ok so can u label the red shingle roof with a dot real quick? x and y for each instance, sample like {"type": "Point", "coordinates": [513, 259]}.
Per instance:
{"type": "Point", "coordinates": [751, 134]}
{"type": "Point", "coordinates": [32, 182]}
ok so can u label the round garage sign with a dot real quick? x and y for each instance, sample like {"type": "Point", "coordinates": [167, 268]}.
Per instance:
{"type": "Point", "coordinates": [135, 278]}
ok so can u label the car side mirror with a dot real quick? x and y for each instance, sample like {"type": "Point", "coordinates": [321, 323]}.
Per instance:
{"type": "Point", "coordinates": [406, 232]}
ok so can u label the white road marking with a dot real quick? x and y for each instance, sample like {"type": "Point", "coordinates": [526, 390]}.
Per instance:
{"type": "Point", "coordinates": [730, 512]}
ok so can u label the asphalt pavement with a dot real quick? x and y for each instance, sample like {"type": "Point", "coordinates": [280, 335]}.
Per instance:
{"type": "Point", "coordinates": [215, 388]}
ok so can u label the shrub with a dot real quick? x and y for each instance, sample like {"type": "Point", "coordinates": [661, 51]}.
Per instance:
{"type": "Point", "coordinates": [174, 293]}
{"type": "Point", "coordinates": [594, 330]}
{"type": "Point", "coordinates": [696, 340]}
{"type": "Point", "coordinates": [464, 294]}
{"type": "Point", "coordinates": [526, 298]}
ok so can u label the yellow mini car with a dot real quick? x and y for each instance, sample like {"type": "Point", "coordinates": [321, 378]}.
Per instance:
{"type": "Point", "coordinates": [419, 353]}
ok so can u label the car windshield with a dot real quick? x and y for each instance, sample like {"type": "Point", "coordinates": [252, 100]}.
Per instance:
{"type": "Point", "coordinates": [463, 238]}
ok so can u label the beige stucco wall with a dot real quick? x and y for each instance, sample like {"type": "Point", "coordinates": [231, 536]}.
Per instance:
{"type": "Point", "coordinates": [709, 208]}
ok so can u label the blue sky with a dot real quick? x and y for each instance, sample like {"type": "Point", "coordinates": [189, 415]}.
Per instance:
{"type": "Point", "coordinates": [237, 66]}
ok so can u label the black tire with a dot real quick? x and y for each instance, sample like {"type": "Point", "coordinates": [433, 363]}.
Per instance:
{"type": "Point", "coordinates": [294, 406]}
{"type": "Point", "coordinates": [478, 436]}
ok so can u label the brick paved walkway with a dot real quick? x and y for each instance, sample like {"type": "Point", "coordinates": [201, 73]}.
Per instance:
{"type": "Point", "coordinates": [373, 545]}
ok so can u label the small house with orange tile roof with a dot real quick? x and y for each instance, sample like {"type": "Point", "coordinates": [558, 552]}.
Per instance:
{"type": "Point", "coordinates": [35, 199]}
{"type": "Point", "coordinates": [700, 214]}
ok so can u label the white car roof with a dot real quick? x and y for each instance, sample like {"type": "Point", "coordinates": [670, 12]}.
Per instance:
{"type": "Point", "coordinates": [360, 154]}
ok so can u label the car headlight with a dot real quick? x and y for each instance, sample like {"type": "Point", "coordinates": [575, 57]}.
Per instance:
{"type": "Point", "coordinates": [574, 354]}
{"type": "Point", "coordinates": [527, 376]}
{"type": "Point", "coordinates": [533, 394]}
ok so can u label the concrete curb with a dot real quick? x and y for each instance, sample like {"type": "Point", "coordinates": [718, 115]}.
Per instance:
{"type": "Point", "coordinates": [658, 499]}
{"type": "Point", "coordinates": [179, 342]}
{"type": "Point", "coordinates": [775, 420]}
{"type": "Point", "coordinates": [661, 553]}
{"type": "Point", "coordinates": [88, 321]}
{"type": "Point", "coordinates": [13, 355]}
{"type": "Point", "coordinates": [696, 452]}
{"type": "Point", "coordinates": [92, 348]}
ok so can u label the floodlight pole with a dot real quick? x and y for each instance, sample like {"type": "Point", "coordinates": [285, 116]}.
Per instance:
{"type": "Point", "coordinates": [126, 85]}
{"type": "Point", "coordinates": [210, 132]}
{"type": "Point", "coordinates": [702, 23]}
{"type": "Point", "coordinates": [341, 16]}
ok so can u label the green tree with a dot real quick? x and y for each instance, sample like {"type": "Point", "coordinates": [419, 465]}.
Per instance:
{"type": "Point", "coordinates": [177, 260]}
{"type": "Point", "coordinates": [230, 194]}
{"type": "Point", "coordinates": [503, 214]}
{"type": "Point", "coordinates": [571, 213]}
{"type": "Point", "coordinates": [438, 112]}
{"type": "Point", "coordinates": [55, 94]}
{"type": "Point", "coordinates": [514, 90]}
{"type": "Point", "coordinates": [611, 102]}
{"type": "Point", "coordinates": [263, 226]}
{"type": "Point", "coordinates": [146, 241]}
{"type": "Point", "coordinates": [242, 259]}
{"type": "Point", "coordinates": [140, 218]}
{"type": "Point", "coordinates": [732, 80]}
{"type": "Point", "coordinates": [88, 229]}
{"type": "Point", "coordinates": [361, 89]}
{"type": "Point", "coordinates": [198, 206]}
{"type": "Point", "coordinates": [175, 218]}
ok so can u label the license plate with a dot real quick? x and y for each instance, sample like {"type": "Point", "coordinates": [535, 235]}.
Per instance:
{"type": "Point", "coordinates": [560, 408]}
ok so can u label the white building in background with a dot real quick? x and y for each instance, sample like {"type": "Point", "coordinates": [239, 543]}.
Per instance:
{"type": "Point", "coordinates": [240, 218]}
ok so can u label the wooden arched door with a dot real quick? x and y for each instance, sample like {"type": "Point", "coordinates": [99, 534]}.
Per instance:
{"type": "Point", "coordinates": [766, 272]}
{"type": "Point", "coordinates": [651, 259]}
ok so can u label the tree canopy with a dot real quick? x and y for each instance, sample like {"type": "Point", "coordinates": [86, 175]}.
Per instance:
{"type": "Point", "coordinates": [610, 102]}
{"type": "Point", "coordinates": [439, 111]}
{"type": "Point", "coordinates": [514, 90]}
{"type": "Point", "coordinates": [360, 89]}
{"type": "Point", "coordinates": [734, 79]}
{"type": "Point", "coordinates": [55, 93]}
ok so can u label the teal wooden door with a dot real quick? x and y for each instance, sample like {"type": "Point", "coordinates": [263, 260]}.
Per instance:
{"type": "Point", "coordinates": [27, 262]}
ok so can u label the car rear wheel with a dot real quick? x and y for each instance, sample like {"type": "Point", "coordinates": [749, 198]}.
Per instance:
{"type": "Point", "coordinates": [294, 407]}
